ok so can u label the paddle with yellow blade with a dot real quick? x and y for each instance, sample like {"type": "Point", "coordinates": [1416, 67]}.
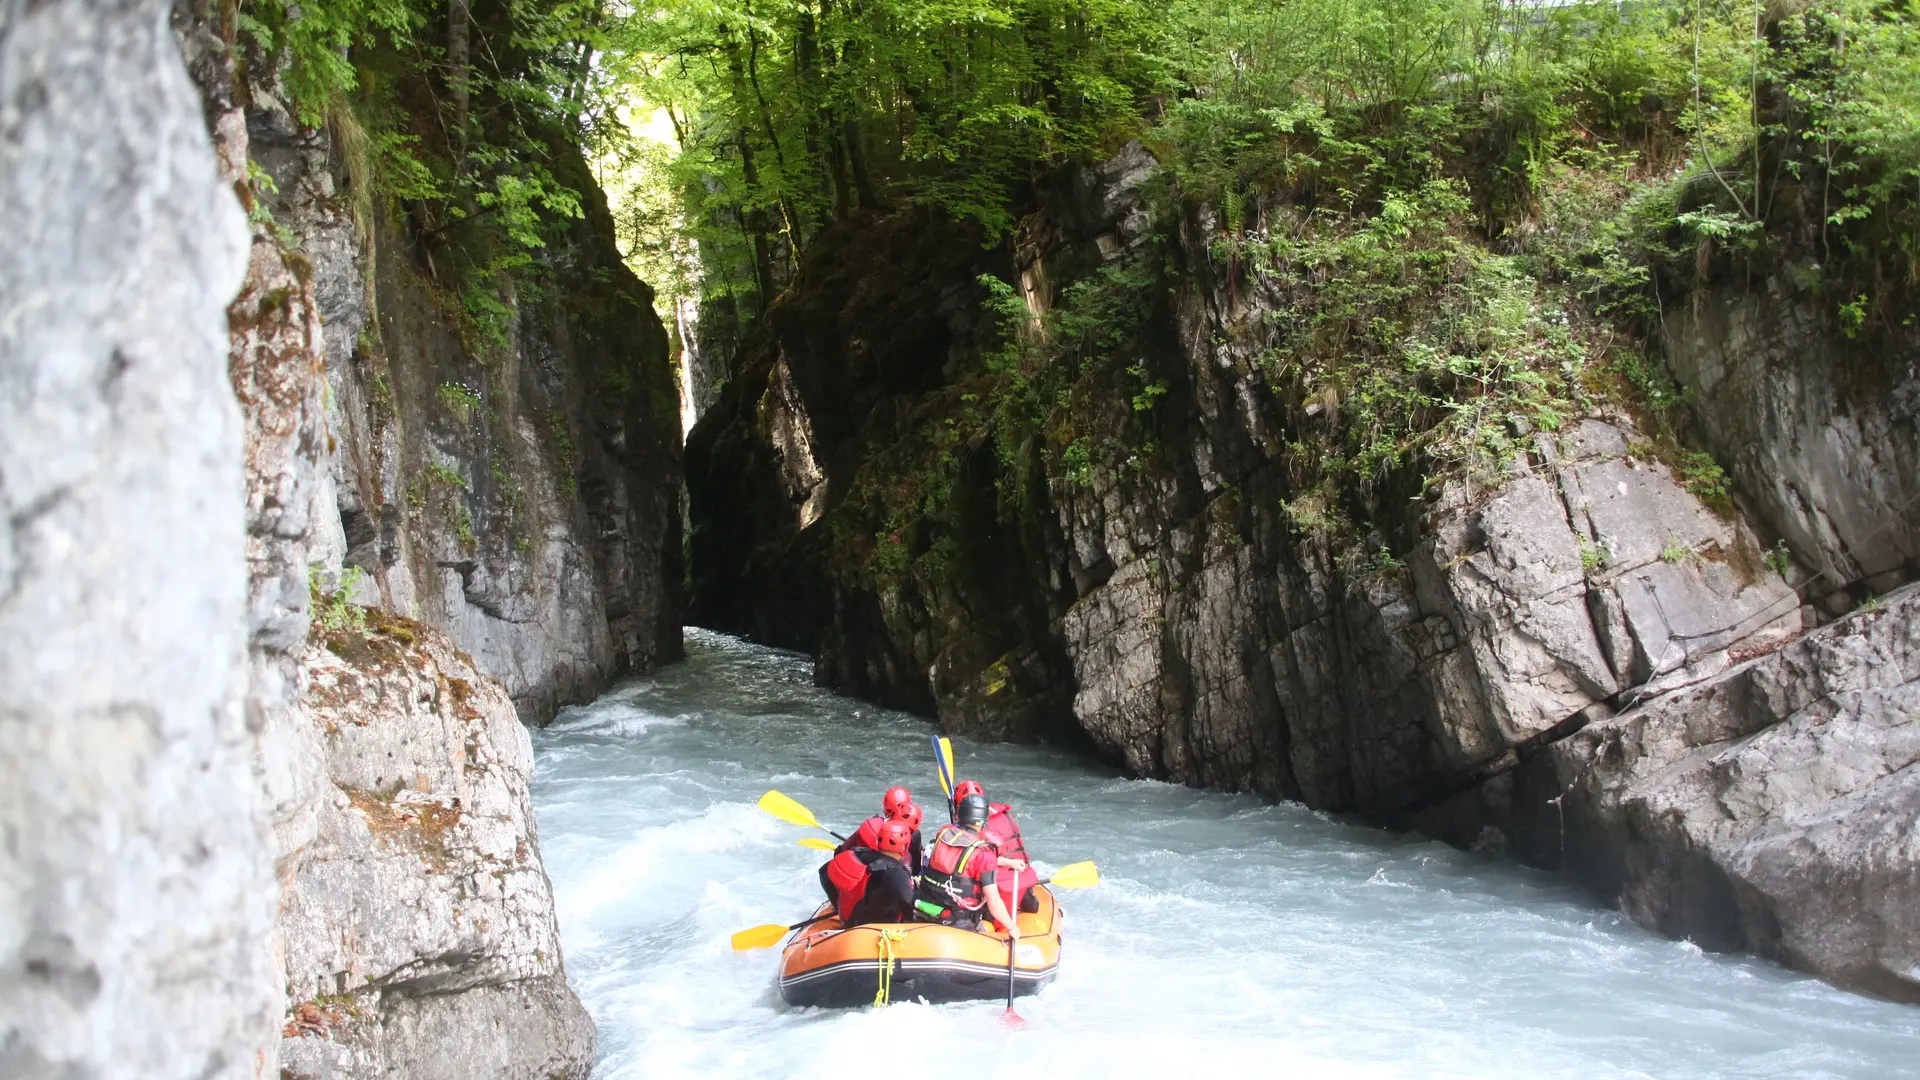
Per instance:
{"type": "Point", "coordinates": [943, 767]}
{"type": "Point", "coordinates": [793, 813]}
{"type": "Point", "coordinates": [1080, 875]}
{"type": "Point", "coordinates": [760, 937]}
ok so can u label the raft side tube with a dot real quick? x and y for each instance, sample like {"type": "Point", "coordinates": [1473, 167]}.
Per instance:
{"type": "Point", "coordinates": [832, 966]}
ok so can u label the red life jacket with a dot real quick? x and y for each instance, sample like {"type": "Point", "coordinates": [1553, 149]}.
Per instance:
{"type": "Point", "coordinates": [1001, 824]}
{"type": "Point", "coordinates": [951, 876]}
{"type": "Point", "coordinates": [849, 876]}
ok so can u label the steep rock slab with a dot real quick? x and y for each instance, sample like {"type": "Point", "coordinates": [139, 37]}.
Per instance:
{"type": "Point", "coordinates": [1773, 808]}
{"type": "Point", "coordinates": [1816, 426]}
{"type": "Point", "coordinates": [420, 932]}
{"type": "Point", "coordinates": [136, 884]}
{"type": "Point", "coordinates": [516, 485]}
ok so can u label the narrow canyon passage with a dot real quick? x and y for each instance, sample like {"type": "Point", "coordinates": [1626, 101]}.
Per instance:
{"type": "Point", "coordinates": [1229, 937]}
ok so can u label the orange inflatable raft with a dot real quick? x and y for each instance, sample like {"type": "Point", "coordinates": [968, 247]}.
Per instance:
{"type": "Point", "coordinates": [829, 965]}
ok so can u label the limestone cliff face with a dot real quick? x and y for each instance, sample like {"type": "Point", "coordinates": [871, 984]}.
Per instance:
{"type": "Point", "coordinates": [1170, 599]}
{"type": "Point", "coordinates": [136, 878]}
{"type": "Point", "coordinates": [420, 933]}
{"type": "Point", "coordinates": [1817, 426]}
{"type": "Point", "coordinates": [1770, 808]}
{"type": "Point", "coordinates": [520, 493]}
{"type": "Point", "coordinates": [516, 485]}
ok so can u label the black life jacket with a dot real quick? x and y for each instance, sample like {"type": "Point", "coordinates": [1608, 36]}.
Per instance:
{"type": "Point", "coordinates": [951, 875]}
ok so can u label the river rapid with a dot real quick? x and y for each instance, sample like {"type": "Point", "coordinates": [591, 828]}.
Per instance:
{"type": "Point", "coordinates": [1229, 937]}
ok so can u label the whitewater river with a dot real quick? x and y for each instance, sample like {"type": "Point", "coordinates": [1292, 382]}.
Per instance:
{"type": "Point", "coordinates": [1229, 938]}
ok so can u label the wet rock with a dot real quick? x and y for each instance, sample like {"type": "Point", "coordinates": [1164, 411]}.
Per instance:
{"type": "Point", "coordinates": [518, 489]}
{"type": "Point", "coordinates": [420, 932]}
{"type": "Point", "coordinates": [1773, 808]}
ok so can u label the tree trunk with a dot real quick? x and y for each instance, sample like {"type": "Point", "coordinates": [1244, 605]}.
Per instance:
{"type": "Point", "coordinates": [459, 72]}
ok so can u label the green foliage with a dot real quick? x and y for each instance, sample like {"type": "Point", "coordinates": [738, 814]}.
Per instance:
{"type": "Point", "coordinates": [1853, 316]}
{"type": "Point", "coordinates": [458, 399]}
{"type": "Point", "coordinates": [474, 158]}
{"type": "Point", "coordinates": [335, 612]}
{"type": "Point", "coordinates": [1779, 559]}
{"type": "Point", "coordinates": [1079, 464]}
{"type": "Point", "coordinates": [1703, 476]}
{"type": "Point", "coordinates": [1677, 551]}
{"type": "Point", "coordinates": [1593, 557]}
{"type": "Point", "coordinates": [1409, 344]}
{"type": "Point", "coordinates": [311, 43]}
{"type": "Point", "coordinates": [442, 473]}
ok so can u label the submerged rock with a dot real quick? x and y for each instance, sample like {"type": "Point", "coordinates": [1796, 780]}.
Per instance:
{"type": "Point", "coordinates": [419, 924]}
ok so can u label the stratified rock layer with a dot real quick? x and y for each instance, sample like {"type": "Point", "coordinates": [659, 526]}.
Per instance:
{"type": "Point", "coordinates": [1817, 426]}
{"type": "Point", "coordinates": [1774, 808]}
{"type": "Point", "coordinates": [136, 879]}
{"type": "Point", "coordinates": [420, 933]}
{"type": "Point", "coordinates": [1176, 601]}
{"type": "Point", "coordinates": [516, 485]}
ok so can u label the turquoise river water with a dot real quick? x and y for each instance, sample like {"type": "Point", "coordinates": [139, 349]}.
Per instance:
{"type": "Point", "coordinates": [1229, 938]}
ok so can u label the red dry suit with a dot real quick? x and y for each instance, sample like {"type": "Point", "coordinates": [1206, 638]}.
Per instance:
{"type": "Point", "coordinates": [1001, 824]}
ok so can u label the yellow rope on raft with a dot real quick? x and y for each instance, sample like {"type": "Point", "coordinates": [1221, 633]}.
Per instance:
{"type": "Point", "coordinates": [887, 960]}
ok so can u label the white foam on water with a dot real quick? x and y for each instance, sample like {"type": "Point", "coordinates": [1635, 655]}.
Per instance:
{"type": "Point", "coordinates": [1227, 937]}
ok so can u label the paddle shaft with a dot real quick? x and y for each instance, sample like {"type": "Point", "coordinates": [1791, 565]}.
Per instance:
{"type": "Point", "coordinates": [1012, 943]}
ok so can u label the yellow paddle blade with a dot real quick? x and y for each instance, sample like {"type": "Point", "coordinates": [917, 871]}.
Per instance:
{"type": "Point", "coordinates": [944, 766]}
{"type": "Point", "coordinates": [759, 937]}
{"type": "Point", "coordinates": [1080, 875]}
{"type": "Point", "coordinates": [816, 843]}
{"type": "Point", "coordinates": [788, 811]}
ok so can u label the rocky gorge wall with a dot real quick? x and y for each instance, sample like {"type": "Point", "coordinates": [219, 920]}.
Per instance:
{"type": "Point", "coordinates": [137, 875]}
{"type": "Point", "coordinates": [517, 487]}
{"type": "Point", "coordinates": [420, 932]}
{"type": "Point", "coordinates": [246, 843]}
{"type": "Point", "coordinates": [1152, 581]}
{"type": "Point", "coordinates": [520, 492]}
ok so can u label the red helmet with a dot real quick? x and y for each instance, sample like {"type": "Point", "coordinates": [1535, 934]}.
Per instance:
{"type": "Point", "coordinates": [968, 787]}
{"type": "Point", "coordinates": [895, 796]}
{"type": "Point", "coordinates": [895, 835]}
{"type": "Point", "coordinates": [907, 812]}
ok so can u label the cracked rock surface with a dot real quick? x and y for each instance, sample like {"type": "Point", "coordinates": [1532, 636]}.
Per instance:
{"type": "Point", "coordinates": [1773, 808]}
{"type": "Point", "coordinates": [420, 932]}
